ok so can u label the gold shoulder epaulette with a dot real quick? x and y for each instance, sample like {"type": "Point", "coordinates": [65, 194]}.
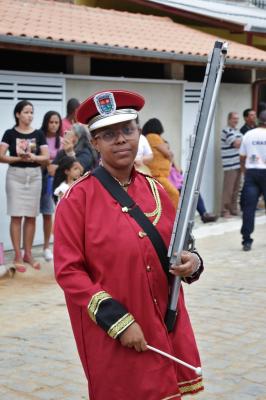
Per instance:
{"type": "Point", "coordinates": [148, 176]}
{"type": "Point", "coordinates": [143, 173]}
{"type": "Point", "coordinates": [82, 178]}
{"type": "Point", "coordinates": [151, 178]}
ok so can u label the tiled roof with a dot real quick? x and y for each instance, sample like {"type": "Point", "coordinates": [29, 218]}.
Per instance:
{"type": "Point", "coordinates": [54, 24]}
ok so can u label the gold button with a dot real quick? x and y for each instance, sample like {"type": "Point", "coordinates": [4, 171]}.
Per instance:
{"type": "Point", "coordinates": [142, 234]}
{"type": "Point", "coordinates": [148, 268]}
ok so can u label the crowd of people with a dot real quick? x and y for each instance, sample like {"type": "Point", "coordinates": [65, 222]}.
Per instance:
{"type": "Point", "coordinates": [44, 162]}
{"type": "Point", "coordinates": [41, 161]}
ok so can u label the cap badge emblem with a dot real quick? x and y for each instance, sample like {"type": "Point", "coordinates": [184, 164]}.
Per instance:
{"type": "Point", "coordinates": [105, 103]}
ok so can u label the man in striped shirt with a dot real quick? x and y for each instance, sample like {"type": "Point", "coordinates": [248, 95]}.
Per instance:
{"type": "Point", "coordinates": [230, 142]}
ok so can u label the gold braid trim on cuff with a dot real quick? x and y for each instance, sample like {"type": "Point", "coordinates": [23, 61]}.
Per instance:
{"type": "Point", "coordinates": [191, 388]}
{"type": "Point", "coordinates": [95, 302]}
{"type": "Point", "coordinates": [120, 325]}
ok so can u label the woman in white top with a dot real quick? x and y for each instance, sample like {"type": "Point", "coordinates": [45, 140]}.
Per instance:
{"type": "Point", "coordinates": [143, 156]}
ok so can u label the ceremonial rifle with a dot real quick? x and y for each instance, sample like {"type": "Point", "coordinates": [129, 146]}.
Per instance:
{"type": "Point", "coordinates": [182, 238]}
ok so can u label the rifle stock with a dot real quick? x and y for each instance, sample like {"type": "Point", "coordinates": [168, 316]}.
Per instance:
{"type": "Point", "coordinates": [181, 238]}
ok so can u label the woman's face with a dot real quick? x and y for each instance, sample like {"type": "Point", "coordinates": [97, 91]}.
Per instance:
{"type": "Point", "coordinates": [53, 124]}
{"type": "Point", "coordinates": [117, 144]}
{"type": "Point", "coordinates": [25, 116]}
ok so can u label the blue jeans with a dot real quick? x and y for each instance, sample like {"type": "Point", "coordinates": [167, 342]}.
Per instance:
{"type": "Point", "coordinates": [201, 206]}
{"type": "Point", "coordinates": [254, 186]}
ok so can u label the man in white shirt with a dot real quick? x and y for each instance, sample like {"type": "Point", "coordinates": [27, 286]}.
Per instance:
{"type": "Point", "coordinates": [253, 164]}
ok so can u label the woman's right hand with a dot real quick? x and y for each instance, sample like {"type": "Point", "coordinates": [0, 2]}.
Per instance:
{"type": "Point", "coordinates": [133, 337]}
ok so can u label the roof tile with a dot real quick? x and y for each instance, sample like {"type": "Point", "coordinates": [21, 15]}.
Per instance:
{"type": "Point", "coordinates": [56, 21]}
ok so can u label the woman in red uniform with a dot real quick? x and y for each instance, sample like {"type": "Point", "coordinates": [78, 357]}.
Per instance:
{"type": "Point", "coordinates": [115, 286]}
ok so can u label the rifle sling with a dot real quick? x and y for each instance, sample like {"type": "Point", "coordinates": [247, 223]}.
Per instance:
{"type": "Point", "coordinates": [119, 194]}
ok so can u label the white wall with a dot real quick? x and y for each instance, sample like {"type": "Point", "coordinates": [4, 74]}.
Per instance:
{"type": "Point", "coordinates": [192, 97]}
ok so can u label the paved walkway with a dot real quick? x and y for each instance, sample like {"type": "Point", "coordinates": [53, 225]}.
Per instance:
{"type": "Point", "coordinates": [38, 358]}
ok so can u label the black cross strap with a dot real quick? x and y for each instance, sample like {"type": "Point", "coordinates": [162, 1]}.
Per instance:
{"type": "Point", "coordinates": [128, 205]}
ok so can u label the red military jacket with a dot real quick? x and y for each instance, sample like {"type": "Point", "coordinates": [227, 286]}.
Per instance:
{"type": "Point", "coordinates": [111, 276]}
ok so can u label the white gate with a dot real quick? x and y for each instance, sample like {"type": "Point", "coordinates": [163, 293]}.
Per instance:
{"type": "Point", "coordinates": [46, 94]}
{"type": "Point", "coordinates": [191, 100]}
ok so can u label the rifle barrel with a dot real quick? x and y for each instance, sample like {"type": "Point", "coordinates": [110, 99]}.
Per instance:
{"type": "Point", "coordinates": [184, 221]}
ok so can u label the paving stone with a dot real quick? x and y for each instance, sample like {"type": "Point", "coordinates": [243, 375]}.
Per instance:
{"type": "Point", "coordinates": [257, 375]}
{"type": "Point", "coordinates": [18, 396]}
{"type": "Point", "coordinates": [50, 395]}
{"type": "Point", "coordinates": [255, 389]}
{"type": "Point", "coordinates": [243, 396]}
{"type": "Point", "coordinates": [23, 386]}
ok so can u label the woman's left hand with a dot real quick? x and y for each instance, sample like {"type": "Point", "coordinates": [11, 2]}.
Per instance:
{"type": "Point", "coordinates": [32, 157]}
{"type": "Point", "coordinates": [189, 265]}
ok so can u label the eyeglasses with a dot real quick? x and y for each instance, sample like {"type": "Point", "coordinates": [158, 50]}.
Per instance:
{"type": "Point", "coordinates": [111, 135]}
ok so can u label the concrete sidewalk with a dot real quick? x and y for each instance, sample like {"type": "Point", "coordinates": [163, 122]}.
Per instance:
{"type": "Point", "coordinates": [227, 306]}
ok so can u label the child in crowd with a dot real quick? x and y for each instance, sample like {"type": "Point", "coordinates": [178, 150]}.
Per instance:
{"type": "Point", "coordinates": [67, 172]}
